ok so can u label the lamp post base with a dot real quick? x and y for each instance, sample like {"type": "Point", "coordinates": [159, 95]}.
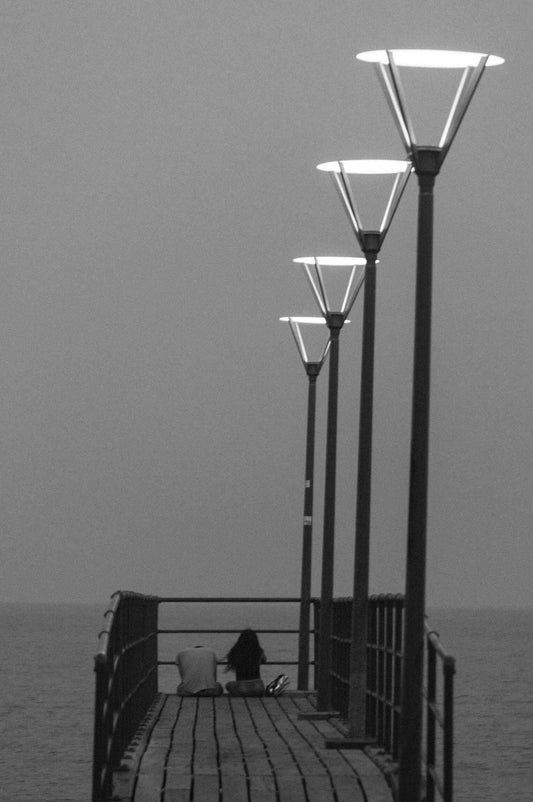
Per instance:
{"type": "Point", "coordinates": [350, 743]}
{"type": "Point", "coordinates": [319, 715]}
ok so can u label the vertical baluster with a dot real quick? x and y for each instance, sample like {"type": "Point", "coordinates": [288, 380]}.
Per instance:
{"type": "Point", "coordinates": [372, 667]}
{"type": "Point", "coordinates": [431, 719]}
{"type": "Point", "coordinates": [398, 662]}
{"type": "Point", "coordinates": [449, 671]}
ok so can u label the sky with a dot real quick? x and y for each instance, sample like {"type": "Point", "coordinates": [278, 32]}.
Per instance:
{"type": "Point", "coordinates": [158, 178]}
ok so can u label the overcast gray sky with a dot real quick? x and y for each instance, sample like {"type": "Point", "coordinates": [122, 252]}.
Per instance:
{"type": "Point", "coordinates": [158, 178]}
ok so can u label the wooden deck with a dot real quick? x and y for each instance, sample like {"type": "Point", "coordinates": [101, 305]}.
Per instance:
{"type": "Point", "coordinates": [244, 750]}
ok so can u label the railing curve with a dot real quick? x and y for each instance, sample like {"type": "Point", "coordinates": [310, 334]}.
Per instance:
{"type": "Point", "coordinates": [126, 682]}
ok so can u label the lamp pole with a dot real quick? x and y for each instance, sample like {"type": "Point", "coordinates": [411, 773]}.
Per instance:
{"type": "Point", "coordinates": [312, 369]}
{"type": "Point", "coordinates": [357, 707]}
{"type": "Point", "coordinates": [335, 315]}
{"type": "Point", "coordinates": [370, 242]}
{"type": "Point", "coordinates": [335, 323]}
{"type": "Point", "coordinates": [427, 161]}
{"type": "Point", "coordinates": [415, 580]}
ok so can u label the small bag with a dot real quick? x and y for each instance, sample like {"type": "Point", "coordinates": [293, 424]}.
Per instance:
{"type": "Point", "coordinates": [277, 686]}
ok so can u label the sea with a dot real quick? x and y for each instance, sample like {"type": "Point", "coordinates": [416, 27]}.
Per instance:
{"type": "Point", "coordinates": [47, 695]}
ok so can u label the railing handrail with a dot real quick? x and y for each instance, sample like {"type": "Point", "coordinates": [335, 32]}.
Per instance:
{"type": "Point", "coordinates": [434, 637]}
{"type": "Point", "coordinates": [225, 631]}
{"type": "Point", "coordinates": [103, 636]}
{"type": "Point", "coordinates": [228, 599]}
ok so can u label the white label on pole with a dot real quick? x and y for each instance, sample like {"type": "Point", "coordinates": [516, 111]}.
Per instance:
{"type": "Point", "coordinates": [308, 483]}
{"type": "Point", "coordinates": [308, 520]}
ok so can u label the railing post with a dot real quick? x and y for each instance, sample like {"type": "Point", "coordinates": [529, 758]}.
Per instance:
{"type": "Point", "coordinates": [431, 720]}
{"type": "Point", "coordinates": [449, 671]}
{"type": "Point", "coordinates": [398, 667]}
{"type": "Point", "coordinates": [99, 730]}
{"type": "Point", "coordinates": [371, 709]}
{"type": "Point", "coordinates": [389, 672]}
{"type": "Point", "coordinates": [316, 639]}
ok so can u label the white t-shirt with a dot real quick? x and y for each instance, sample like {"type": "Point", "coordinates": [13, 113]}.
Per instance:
{"type": "Point", "coordinates": [198, 668]}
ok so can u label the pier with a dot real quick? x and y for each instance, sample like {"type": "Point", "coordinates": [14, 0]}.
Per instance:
{"type": "Point", "coordinates": [153, 746]}
{"type": "Point", "coordinates": [244, 750]}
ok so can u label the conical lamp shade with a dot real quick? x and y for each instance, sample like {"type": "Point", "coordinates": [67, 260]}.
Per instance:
{"type": "Point", "coordinates": [311, 337]}
{"type": "Point", "coordinates": [335, 281]}
{"type": "Point", "coordinates": [379, 182]}
{"type": "Point", "coordinates": [391, 65]}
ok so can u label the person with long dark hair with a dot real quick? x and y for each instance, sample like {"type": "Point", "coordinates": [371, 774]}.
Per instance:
{"type": "Point", "coordinates": [245, 658]}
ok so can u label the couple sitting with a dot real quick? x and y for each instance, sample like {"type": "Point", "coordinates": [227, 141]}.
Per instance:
{"type": "Point", "coordinates": [198, 669]}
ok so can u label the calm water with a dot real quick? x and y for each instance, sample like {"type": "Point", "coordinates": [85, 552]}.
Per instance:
{"type": "Point", "coordinates": [47, 698]}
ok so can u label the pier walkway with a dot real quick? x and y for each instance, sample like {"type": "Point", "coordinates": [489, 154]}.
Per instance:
{"type": "Point", "coordinates": [244, 750]}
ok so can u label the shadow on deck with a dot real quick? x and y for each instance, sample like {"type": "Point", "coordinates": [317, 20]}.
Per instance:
{"type": "Point", "coordinates": [243, 750]}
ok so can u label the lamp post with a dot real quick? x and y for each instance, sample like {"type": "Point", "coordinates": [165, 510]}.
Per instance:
{"type": "Point", "coordinates": [345, 275]}
{"type": "Point", "coordinates": [370, 240]}
{"type": "Point", "coordinates": [427, 161]}
{"type": "Point", "coordinates": [312, 368]}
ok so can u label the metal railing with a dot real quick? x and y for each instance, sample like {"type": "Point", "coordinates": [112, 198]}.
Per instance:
{"type": "Point", "coordinates": [225, 631]}
{"type": "Point", "coordinates": [384, 677]}
{"type": "Point", "coordinates": [439, 720]}
{"type": "Point", "coordinates": [384, 662]}
{"type": "Point", "coordinates": [126, 682]}
{"type": "Point", "coordinates": [384, 681]}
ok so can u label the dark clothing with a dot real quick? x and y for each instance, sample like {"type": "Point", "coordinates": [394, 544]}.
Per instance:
{"type": "Point", "coordinates": [248, 668]}
{"type": "Point", "coordinates": [245, 658]}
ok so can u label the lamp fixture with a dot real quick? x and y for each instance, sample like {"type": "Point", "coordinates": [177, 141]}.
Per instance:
{"type": "Point", "coordinates": [369, 237]}
{"type": "Point", "coordinates": [335, 282]}
{"type": "Point", "coordinates": [388, 64]}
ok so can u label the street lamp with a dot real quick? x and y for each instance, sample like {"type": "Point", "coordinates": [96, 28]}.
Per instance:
{"type": "Point", "coordinates": [312, 364]}
{"type": "Point", "coordinates": [370, 239]}
{"type": "Point", "coordinates": [427, 161]}
{"type": "Point", "coordinates": [335, 282]}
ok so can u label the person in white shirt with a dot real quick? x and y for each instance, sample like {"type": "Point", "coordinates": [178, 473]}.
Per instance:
{"type": "Point", "coordinates": [198, 671]}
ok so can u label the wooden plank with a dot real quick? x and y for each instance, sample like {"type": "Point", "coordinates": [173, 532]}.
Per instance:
{"type": "Point", "coordinates": [233, 779]}
{"type": "Point", "coordinates": [291, 790]}
{"type": "Point", "coordinates": [262, 788]}
{"type": "Point", "coordinates": [148, 787]}
{"type": "Point", "coordinates": [371, 777]}
{"type": "Point", "coordinates": [234, 788]}
{"type": "Point", "coordinates": [348, 789]}
{"type": "Point", "coordinates": [319, 789]}
{"type": "Point", "coordinates": [272, 721]}
{"type": "Point", "coordinates": [177, 795]}
{"type": "Point", "coordinates": [333, 771]}
{"type": "Point", "coordinates": [205, 787]}
{"type": "Point", "coordinates": [178, 775]}
{"type": "Point", "coordinates": [255, 757]}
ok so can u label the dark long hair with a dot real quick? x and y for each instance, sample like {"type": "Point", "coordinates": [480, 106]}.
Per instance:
{"type": "Point", "coordinates": [245, 651]}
